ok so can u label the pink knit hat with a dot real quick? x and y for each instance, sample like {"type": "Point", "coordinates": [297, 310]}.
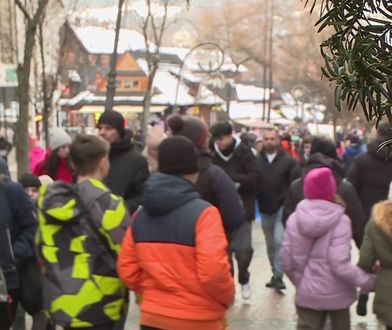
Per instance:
{"type": "Point", "coordinates": [320, 183]}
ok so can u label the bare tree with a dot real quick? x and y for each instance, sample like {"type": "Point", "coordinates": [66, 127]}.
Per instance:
{"type": "Point", "coordinates": [33, 21]}
{"type": "Point", "coordinates": [153, 31]}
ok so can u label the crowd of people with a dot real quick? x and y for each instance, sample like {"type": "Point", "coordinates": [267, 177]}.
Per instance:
{"type": "Point", "coordinates": [97, 217]}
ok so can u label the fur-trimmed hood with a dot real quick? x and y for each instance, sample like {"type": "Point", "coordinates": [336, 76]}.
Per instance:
{"type": "Point", "coordinates": [382, 215]}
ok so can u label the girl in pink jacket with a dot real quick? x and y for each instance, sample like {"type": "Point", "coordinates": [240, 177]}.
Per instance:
{"type": "Point", "coordinates": [315, 255]}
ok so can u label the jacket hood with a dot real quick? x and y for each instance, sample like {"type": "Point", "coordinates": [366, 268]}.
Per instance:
{"type": "Point", "coordinates": [121, 146]}
{"type": "Point", "coordinates": [382, 215]}
{"type": "Point", "coordinates": [381, 154]}
{"type": "Point", "coordinates": [163, 193]}
{"type": "Point", "coordinates": [320, 160]}
{"type": "Point", "coordinates": [58, 203]}
{"type": "Point", "coordinates": [316, 217]}
{"type": "Point", "coordinates": [237, 141]}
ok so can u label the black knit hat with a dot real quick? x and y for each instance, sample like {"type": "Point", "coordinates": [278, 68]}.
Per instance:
{"type": "Point", "coordinates": [114, 119]}
{"type": "Point", "coordinates": [29, 180]}
{"type": "Point", "coordinates": [177, 156]}
{"type": "Point", "coordinates": [191, 127]}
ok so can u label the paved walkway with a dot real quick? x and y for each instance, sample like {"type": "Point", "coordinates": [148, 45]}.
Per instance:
{"type": "Point", "coordinates": [266, 309]}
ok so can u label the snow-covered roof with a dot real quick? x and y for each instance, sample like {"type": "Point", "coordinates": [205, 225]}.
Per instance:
{"type": "Point", "coordinates": [166, 83]}
{"type": "Point", "coordinates": [251, 93]}
{"type": "Point", "coordinates": [99, 40]}
{"type": "Point", "coordinates": [108, 14]}
{"type": "Point", "coordinates": [249, 110]}
{"type": "Point", "coordinates": [192, 64]}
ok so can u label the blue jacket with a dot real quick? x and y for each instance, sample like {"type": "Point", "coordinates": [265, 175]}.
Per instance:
{"type": "Point", "coordinates": [349, 155]}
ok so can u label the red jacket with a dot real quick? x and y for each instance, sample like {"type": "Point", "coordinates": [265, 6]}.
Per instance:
{"type": "Point", "coordinates": [177, 258]}
{"type": "Point", "coordinates": [62, 173]}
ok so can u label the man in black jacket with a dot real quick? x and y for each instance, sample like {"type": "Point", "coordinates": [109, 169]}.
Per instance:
{"type": "Point", "coordinates": [278, 171]}
{"type": "Point", "coordinates": [239, 162]}
{"type": "Point", "coordinates": [128, 168]}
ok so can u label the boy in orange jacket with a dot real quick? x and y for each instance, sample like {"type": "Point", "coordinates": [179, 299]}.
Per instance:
{"type": "Point", "coordinates": [175, 252]}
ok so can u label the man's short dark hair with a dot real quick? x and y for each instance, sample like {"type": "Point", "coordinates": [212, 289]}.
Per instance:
{"type": "Point", "coordinates": [324, 146]}
{"type": "Point", "coordinates": [307, 140]}
{"type": "Point", "coordinates": [86, 152]}
{"type": "Point", "coordinates": [221, 129]}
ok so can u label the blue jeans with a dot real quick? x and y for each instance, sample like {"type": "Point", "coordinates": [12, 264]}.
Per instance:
{"type": "Point", "coordinates": [273, 230]}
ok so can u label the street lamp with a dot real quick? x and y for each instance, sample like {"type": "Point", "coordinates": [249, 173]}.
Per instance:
{"type": "Point", "coordinates": [212, 59]}
{"type": "Point", "coordinates": [298, 93]}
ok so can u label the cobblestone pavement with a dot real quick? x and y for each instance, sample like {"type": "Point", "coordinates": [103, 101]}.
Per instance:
{"type": "Point", "coordinates": [266, 309]}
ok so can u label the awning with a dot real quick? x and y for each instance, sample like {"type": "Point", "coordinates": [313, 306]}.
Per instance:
{"type": "Point", "coordinates": [119, 108]}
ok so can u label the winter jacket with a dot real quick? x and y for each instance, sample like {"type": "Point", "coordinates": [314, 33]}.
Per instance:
{"type": "Point", "coordinates": [345, 190]}
{"type": "Point", "coordinates": [371, 174]}
{"type": "Point", "coordinates": [63, 172]}
{"type": "Point", "coordinates": [128, 172]}
{"type": "Point", "coordinates": [242, 167]}
{"type": "Point", "coordinates": [216, 187]}
{"type": "Point", "coordinates": [377, 246]}
{"type": "Point", "coordinates": [275, 181]}
{"type": "Point", "coordinates": [21, 224]}
{"type": "Point", "coordinates": [36, 156]}
{"type": "Point", "coordinates": [175, 254]}
{"type": "Point", "coordinates": [315, 255]}
{"type": "Point", "coordinates": [81, 286]}
{"type": "Point", "coordinates": [349, 155]}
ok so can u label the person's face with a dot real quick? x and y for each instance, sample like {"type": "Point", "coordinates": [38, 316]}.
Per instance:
{"type": "Point", "coordinates": [109, 133]}
{"type": "Point", "coordinates": [63, 151]}
{"type": "Point", "coordinates": [224, 141]}
{"type": "Point", "coordinates": [307, 147]}
{"type": "Point", "coordinates": [32, 192]}
{"type": "Point", "coordinates": [270, 141]}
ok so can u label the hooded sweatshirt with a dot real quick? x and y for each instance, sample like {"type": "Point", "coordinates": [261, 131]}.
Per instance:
{"type": "Point", "coordinates": [315, 255]}
{"type": "Point", "coordinates": [81, 286]}
{"type": "Point", "coordinates": [175, 255]}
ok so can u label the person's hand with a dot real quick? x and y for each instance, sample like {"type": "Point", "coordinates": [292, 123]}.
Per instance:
{"type": "Point", "coordinates": [376, 267]}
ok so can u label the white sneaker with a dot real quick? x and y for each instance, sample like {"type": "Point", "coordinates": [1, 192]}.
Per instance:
{"type": "Point", "coordinates": [246, 291]}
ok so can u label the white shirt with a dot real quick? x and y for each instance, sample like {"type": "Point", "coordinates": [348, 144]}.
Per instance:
{"type": "Point", "coordinates": [271, 157]}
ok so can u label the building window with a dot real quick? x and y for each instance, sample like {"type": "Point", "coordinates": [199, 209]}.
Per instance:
{"type": "Point", "coordinates": [135, 84]}
{"type": "Point", "coordinates": [127, 84]}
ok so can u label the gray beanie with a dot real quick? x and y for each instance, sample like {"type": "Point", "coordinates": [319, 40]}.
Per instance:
{"type": "Point", "coordinates": [58, 137]}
